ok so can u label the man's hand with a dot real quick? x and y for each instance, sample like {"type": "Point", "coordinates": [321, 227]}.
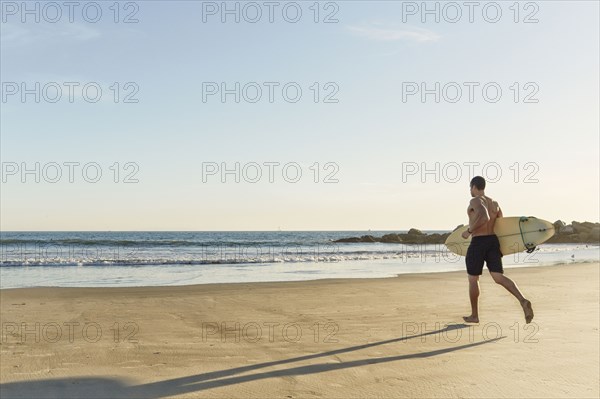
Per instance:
{"type": "Point", "coordinates": [465, 234]}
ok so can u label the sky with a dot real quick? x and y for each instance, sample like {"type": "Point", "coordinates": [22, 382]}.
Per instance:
{"type": "Point", "coordinates": [344, 115]}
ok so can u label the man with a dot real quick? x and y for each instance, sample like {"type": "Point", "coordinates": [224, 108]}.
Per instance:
{"type": "Point", "coordinates": [483, 212]}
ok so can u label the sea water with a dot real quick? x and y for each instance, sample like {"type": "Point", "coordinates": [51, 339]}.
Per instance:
{"type": "Point", "coordinates": [91, 259]}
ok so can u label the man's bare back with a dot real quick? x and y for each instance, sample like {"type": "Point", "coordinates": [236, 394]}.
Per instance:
{"type": "Point", "coordinates": [482, 208]}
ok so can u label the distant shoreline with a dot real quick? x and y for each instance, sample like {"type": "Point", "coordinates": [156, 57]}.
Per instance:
{"type": "Point", "coordinates": [574, 233]}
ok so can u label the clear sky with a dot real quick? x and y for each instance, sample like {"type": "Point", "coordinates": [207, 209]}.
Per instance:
{"type": "Point", "coordinates": [368, 129]}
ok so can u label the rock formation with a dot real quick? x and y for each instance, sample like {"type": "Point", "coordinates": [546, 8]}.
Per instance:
{"type": "Point", "coordinates": [575, 232]}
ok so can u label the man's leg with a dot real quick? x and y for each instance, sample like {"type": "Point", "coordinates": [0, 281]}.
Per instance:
{"type": "Point", "coordinates": [511, 287]}
{"type": "Point", "coordinates": [474, 296]}
{"type": "Point", "coordinates": [474, 261]}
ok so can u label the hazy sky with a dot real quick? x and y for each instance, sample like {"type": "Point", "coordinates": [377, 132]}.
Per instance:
{"type": "Point", "coordinates": [367, 118]}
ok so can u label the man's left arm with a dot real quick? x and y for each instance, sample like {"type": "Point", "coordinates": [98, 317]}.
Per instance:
{"type": "Point", "coordinates": [499, 210]}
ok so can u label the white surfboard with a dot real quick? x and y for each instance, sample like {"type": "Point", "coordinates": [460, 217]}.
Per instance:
{"type": "Point", "coordinates": [515, 233]}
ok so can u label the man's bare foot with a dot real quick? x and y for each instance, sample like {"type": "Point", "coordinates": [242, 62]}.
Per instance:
{"type": "Point", "coordinates": [527, 309]}
{"type": "Point", "coordinates": [471, 319]}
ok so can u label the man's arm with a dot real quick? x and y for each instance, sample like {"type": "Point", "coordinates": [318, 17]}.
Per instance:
{"type": "Point", "coordinates": [480, 215]}
{"type": "Point", "coordinates": [497, 211]}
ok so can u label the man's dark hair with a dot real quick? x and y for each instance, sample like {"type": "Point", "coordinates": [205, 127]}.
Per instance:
{"type": "Point", "coordinates": [478, 182]}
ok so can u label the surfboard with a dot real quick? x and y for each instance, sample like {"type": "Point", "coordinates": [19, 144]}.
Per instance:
{"type": "Point", "coordinates": [515, 233]}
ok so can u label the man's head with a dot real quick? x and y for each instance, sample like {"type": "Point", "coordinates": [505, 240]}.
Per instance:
{"type": "Point", "coordinates": [477, 186]}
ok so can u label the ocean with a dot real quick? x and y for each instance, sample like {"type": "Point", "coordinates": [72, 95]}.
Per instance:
{"type": "Point", "coordinates": [120, 259]}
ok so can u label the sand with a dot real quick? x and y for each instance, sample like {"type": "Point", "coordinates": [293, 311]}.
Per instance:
{"type": "Point", "coordinates": [342, 338]}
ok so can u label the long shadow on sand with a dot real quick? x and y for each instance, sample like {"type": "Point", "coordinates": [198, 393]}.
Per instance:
{"type": "Point", "coordinates": [96, 387]}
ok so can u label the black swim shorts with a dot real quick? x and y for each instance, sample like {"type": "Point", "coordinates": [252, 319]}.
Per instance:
{"type": "Point", "coordinates": [484, 248]}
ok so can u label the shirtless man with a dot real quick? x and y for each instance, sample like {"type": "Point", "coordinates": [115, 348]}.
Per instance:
{"type": "Point", "coordinates": [483, 212]}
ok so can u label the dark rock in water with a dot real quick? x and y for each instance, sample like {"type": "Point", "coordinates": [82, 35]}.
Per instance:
{"type": "Point", "coordinates": [436, 238]}
{"type": "Point", "coordinates": [566, 230]}
{"type": "Point", "coordinates": [584, 236]}
{"type": "Point", "coordinates": [565, 239]}
{"type": "Point", "coordinates": [595, 234]}
{"type": "Point", "coordinates": [585, 227]}
{"type": "Point", "coordinates": [415, 232]}
{"type": "Point", "coordinates": [412, 238]}
{"type": "Point", "coordinates": [575, 233]}
{"type": "Point", "coordinates": [401, 238]}
{"type": "Point", "coordinates": [391, 238]}
{"type": "Point", "coordinates": [367, 238]}
{"type": "Point", "coordinates": [350, 239]}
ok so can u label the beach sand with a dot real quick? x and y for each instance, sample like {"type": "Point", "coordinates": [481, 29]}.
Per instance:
{"type": "Point", "coordinates": [346, 338]}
